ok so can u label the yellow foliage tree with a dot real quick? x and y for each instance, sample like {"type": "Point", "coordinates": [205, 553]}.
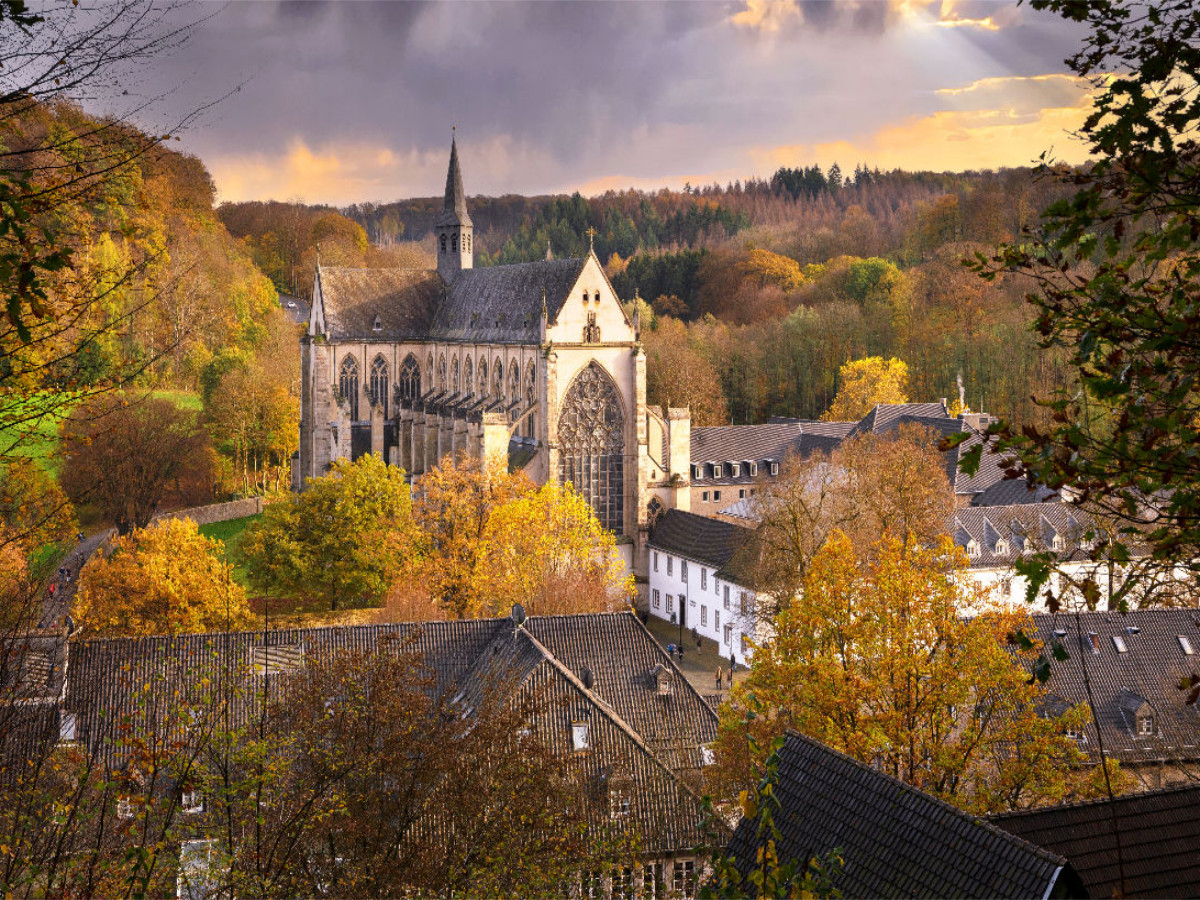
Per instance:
{"type": "Point", "coordinates": [767, 268]}
{"type": "Point", "coordinates": [165, 579]}
{"type": "Point", "coordinates": [487, 538]}
{"type": "Point", "coordinates": [875, 660]}
{"type": "Point", "coordinates": [863, 383]}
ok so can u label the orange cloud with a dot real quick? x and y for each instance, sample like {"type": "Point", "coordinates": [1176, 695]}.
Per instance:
{"type": "Point", "coordinates": [768, 16]}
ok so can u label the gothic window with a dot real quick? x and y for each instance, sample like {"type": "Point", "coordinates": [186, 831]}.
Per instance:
{"type": "Point", "coordinates": [441, 373]}
{"type": "Point", "coordinates": [654, 512]}
{"type": "Point", "coordinates": [514, 383]}
{"type": "Point", "coordinates": [443, 243]}
{"type": "Point", "coordinates": [467, 242]}
{"type": "Point", "coordinates": [469, 377]}
{"type": "Point", "coordinates": [379, 383]}
{"type": "Point", "coordinates": [454, 382]}
{"type": "Point", "coordinates": [348, 385]}
{"type": "Point", "coordinates": [498, 380]}
{"type": "Point", "coordinates": [410, 379]}
{"type": "Point", "coordinates": [591, 435]}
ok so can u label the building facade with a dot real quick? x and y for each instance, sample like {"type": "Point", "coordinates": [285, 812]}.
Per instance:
{"type": "Point", "coordinates": [535, 364]}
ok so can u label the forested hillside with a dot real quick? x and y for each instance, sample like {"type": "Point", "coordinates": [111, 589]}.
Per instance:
{"type": "Point", "coordinates": [758, 290]}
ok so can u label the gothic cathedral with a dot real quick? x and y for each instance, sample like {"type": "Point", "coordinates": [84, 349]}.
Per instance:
{"type": "Point", "coordinates": [535, 363]}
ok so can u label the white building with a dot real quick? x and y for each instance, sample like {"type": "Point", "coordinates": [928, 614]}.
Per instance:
{"type": "Point", "coordinates": [696, 582]}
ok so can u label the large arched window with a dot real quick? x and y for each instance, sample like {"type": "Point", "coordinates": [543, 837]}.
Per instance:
{"type": "Point", "coordinates": [348, 385]}
{"type": "Point", "coordinates": [591, 437]}
{"type": "Point", "coordinates": [498, 380]}
{"type": "Point", "coordinates": [380, 388]}
{"type": "Point", "coordinates": [469, 377]}
{"type": "Point", "coordinates": [410, 378]}
{"type": "Point", "coordinates": [483, 383]}
{"type": "Point", "coordinates": [454, 379]}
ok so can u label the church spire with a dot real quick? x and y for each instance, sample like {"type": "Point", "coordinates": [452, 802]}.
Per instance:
{"type": "Point", "coordinates": [453, 229]}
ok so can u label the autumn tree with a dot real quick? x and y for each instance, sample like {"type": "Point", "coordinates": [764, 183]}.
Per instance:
{"type": "Point", "coordinates": [1114, 273]}
{"type": "Point", "coordinates": [877, 660]}
{"type": "Point", "coordinates": [680, 375]}
{"type": "Point", "coordinates": [252, 417]}
{"type": "Point", "coordinates": [334, 540]}
{"type": "Point", "coordinates": [165, 579]}
{"type": "Point", "coordinates": [870, 486]}
{"type": "Point", "coordinates": [486, 539]}
{"type": "Point", "coordinates": [124, 454]}
{"type": "Point", "coordinates": [33, 508]}
{"type": "Point", "coordinates": [864, 383]}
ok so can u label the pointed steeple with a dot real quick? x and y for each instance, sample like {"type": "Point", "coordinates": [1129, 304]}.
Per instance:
{"type": "Point", "coordinates": [454, 207]}
{"type": "Point", "coordinates": [453, 229]}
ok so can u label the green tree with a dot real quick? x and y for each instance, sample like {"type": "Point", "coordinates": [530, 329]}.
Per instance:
{"type": "Point", "coordinates": [334, 540]}
{"type": "Point", "coordinates": [1115, 270]}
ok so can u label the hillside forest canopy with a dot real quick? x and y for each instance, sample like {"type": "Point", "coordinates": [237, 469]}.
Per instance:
{"type": "Point", "coordinates": [756, 292]}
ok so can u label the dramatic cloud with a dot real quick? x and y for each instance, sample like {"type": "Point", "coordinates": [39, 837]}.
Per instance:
{"type": "Point", "coordinates": [346, 102]}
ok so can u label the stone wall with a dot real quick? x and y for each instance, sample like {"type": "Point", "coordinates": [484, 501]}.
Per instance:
{"type": "Point", "coordinates": [217, 512]}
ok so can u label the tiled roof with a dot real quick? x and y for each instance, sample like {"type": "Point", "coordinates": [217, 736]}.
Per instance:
{"type": "Point", "coordinates": [404, 300]}
{"type": "Point", "coordinates": [895, 840]}
{"type": "Point", "coordinates": [1037, 522]}
{"type": "Point", "coordinates": [1150, 668]}
{"type": "Point", "coordinates": [751, 443]}
{"type": "Point", "coordinates": [1159, 831]}
{"type": "Point", "coordinates": [652, 739]}
{"type": "Point", "coordinates": [503, 304]}
{"type": "Point", "coordinates": [1011, 492]}
{"type": "Point", "coordinates": [702, 539]}
{"type": "Point", "coordinates": [884, 417]}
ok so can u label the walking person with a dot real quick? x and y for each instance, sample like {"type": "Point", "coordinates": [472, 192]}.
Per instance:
{"type": "Point", "coordinates": [720, 676]}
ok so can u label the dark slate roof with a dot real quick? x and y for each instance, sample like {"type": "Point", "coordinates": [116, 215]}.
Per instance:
{"type": "Point", "coordinates": [1159, 831]}
{"type": "Point", "coordinates": [702, 539]}
{"type": "Point", "coordinates": [1013, 491]}
{"type": "Point", "coordinates": [503, 304]}
{"type": "Point", "coordinates": [1151, 668]}
{"type": "Point", "coordinates": [1036, 522]}
{"type": "Point", "coordinates": [454, 204]}
{"type": "Point", "coordinates": [896, 841]}
{"type": "Point", "coordinates": [884, 417]}
{"type": "Point", "coordinates": [751, 443]}
{"type": "Point", "coordinates": [403, 299]}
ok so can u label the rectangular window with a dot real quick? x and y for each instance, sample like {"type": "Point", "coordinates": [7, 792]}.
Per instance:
{"type": "Point", "coordinates": [703, 616]}
{"type": "Point", "coordinates": [753, 467]}
{"type": "Point", "coordinates": [1185, 645]}
{"type": "Point", "coordinates": [707, 755]}
{"type": "Point", "coordinates": [1145, 725]}
{"type": "Point", "coordinates": [622, 883]}
{"type": "Point", "coordinates": [66, 727]}
{"type": "Point", "coordinates": [197, 862]}
{"type": "Point", "coordinates": [1119, 643]}
{"type": "Point", "coordinates": [579, 735]}
{"type": "Point", "coordinates": [704, 496]}
{"type": "Point", "coordinates": [703, 578]}
{"type": "Point", "coordinates": [683, 570]}
{"type": "Point", "coordinates": [670, 605]}
{"type": "Point", "coordinates": [774, 468]}
{"type": "Point", "coordinates": [1006, 587]}
{"type": "Point", "coordinates": [716, 585]}
{"type": "Point", "coordinates": [728, 635]}
{"type": "Point", "coordinates": [716, 620]}
{"type": "Point", "coordinates": [745, 644]}
{"type": "Point", "coordinates": [743, 606]}
{"type": "Point", "coordinates": [655, 560]}
{"type": "Point", "coordinates": [124, 808]}
{"type": "Point", "coordinates": [683, 881]}
{"type": "Point", "coordinates": [735, 469]}
{"type": "Point", "coordinates": [670, 565]}
{"type": "Point", "coordinates": [726, 595]}
{"type": "Point", "coordinates": [192, 801]}
{"type": "Point", "coordinates": [653, 886]}
{"type": "Point", "coordinates": [656, 599]}
{"type": "Point", "coordinates": [716, 496]}
{"type": "Point", "coordinates": [741, 493]}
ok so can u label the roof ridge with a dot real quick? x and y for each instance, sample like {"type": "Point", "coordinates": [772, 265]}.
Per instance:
{"type": "Point", "coordinates": [1098, 801]}
{"type": "Point", "coordinates": [948, 807]}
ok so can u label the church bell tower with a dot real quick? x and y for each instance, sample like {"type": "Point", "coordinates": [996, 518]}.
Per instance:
{"type": "Point", "coordinates": [453, 229]}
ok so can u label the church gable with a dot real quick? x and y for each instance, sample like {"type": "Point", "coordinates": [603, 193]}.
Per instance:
{"type": "Point", "coordinates": [591, 312]}
{"type": "Point", "coordinates": [374, 304]}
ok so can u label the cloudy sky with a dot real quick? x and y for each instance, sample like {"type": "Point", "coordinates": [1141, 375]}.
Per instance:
{"type": "Point", "coordinates": [345, 102]}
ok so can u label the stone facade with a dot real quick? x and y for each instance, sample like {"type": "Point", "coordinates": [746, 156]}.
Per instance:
{"type": "Point", "coordinates": [536, 364]}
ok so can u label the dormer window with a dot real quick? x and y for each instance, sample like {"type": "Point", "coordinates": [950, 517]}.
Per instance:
{"type": "Point", "coordinates": [697, 472]}
{"type": "Point", "coordinates": [1145, 725]}
{"type": "Point", "coordinates": [1119, 643]}
{"type": "Point", "coordinates": [662, 682]}
{"type": "Point", "coordinates": [1094, 640]}
{"type": "Point", "coordinates": [735, 469]}
{"type": "Point", "coordinates": [192, 801]}
{"type": "Point", "coordinates": [752, 469]}
{"type": "Point", "coordinates": [1057, 543]}
{"type": "Point", "coordinates": [774, 468]}
{"type": "Point", "coordinates": [377, 325]}
{"type": "Point", "coordinates": [579, 736]}
{"type": "Point", "coordinates": [973, 549]}
{"type": "Point", "coordinates": [1001, 548]}
{"type": "Point", "coordinates": [443, 244]}
{"type": "Point", "coordinates": [1185, 645]}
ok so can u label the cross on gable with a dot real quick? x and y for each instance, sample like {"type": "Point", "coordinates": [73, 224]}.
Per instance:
{"type": "Point", "coordinates": [591, 233]}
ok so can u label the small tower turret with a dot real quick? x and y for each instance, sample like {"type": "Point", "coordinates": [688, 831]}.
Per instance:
{"type": "Point", "coordinates": [453, 230]}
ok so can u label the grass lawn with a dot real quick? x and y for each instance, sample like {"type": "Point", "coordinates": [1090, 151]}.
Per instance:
{"type": "Point", "coordinates": [231, 533]}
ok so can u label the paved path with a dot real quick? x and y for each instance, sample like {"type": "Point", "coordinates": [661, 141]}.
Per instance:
{"type": "Point", "coordinates": [698, 666]}
{"type": "Point", "coordinates": [57, 603]}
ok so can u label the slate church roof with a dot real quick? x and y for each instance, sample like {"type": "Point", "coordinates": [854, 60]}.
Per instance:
{"type": "Point", "coordinates": [350, 300]}
{"type": "Point", "coordinates": [1159, 831]}
{"type": "Point", "coordinates": [895, 840]}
